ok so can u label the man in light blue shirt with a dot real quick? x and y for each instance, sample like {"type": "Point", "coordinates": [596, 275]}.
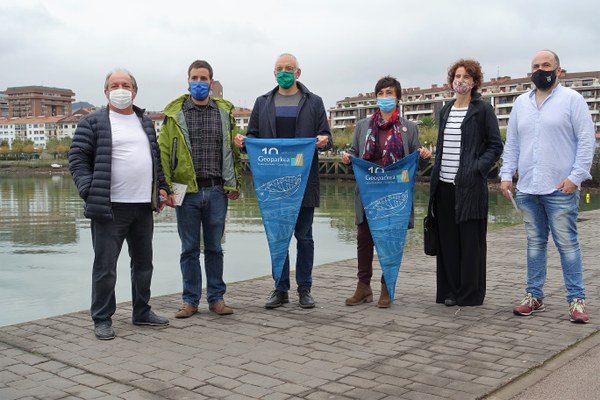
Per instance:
{"type": "Point", "coordinates": [550, 142]}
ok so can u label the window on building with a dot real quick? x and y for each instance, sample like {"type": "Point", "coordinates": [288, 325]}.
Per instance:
{"type": "Point", "coordinates": [587, 82]}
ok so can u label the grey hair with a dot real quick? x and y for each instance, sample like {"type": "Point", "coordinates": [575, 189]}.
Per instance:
{"type": "Point", "coordinates": [123, 70]}
{"type": "Point", "coordinates": [289, 55]}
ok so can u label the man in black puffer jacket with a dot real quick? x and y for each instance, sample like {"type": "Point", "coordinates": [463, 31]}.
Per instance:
{"type": "Point", "coordinates": [115, 164]}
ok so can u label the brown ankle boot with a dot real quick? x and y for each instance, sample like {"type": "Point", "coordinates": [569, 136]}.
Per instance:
{"type": "Point", "coordinates": [384, 298]}
{"type": "Point", "coordinates": [363, 294]}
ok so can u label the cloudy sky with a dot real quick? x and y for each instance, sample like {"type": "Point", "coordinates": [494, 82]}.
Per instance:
{"type": "Point", "coordinates": [343, 46]}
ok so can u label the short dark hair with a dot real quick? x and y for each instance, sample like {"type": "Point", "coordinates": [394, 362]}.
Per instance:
{"type": "Point", "coordinates": [472, 67]}
{"type": "Point", "coordinates": [201, 64]}
{"type": "Point", "coordinates": [389, 81]}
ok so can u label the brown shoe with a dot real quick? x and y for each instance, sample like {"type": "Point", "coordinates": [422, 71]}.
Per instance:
{"type": "Point", "coordinates": [219, 307]}
{"type": "Point", "coordinates": [363, 294]}
{"type": "Point", "coordinates": [384, 298]}
{"type": "Point", "coordinates": [186, 311]}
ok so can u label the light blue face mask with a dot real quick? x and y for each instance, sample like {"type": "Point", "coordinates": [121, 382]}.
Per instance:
{"type": "Point", "coordinates": [199, 90]}
{"type": "Point", "coordinates": [386, 104]}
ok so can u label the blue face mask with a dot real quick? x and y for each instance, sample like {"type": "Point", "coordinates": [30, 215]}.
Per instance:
{"type": "Point", "coordinates": [199, 90]}
{"type": "Point", "coordinates": [386, 104]}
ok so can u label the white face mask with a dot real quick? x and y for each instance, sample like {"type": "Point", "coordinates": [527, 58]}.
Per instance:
{"type": "Point", "coordinates": [120, 98]}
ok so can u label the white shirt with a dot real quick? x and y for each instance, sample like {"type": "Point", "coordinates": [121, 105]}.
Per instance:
{"type": "Point", "coordinates": [451, 145]}
{"type": "Point", "coordinates": [131, 170]}
{"type": "Point", "coordinates": [550, 143]}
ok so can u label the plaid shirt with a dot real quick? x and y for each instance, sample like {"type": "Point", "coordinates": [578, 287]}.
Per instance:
{"type": "Point", "coordinates": [206, 137]}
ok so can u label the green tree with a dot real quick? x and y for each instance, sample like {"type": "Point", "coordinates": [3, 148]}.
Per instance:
{"type": "Point", "coordinates": [4, 149]}
{"type": "Point", "coordinates": [52, 147]}
{"type": "Point", "coordinates": [342, 138]}
{"type": "Point", "coordinates": [64, 146]}
{"type": "Point", "coordinates": [428, 136]}
{"type": "Point", "coordinates": [503, 133]}
{"type": "Point", "coordinates": [17, 146]}
{"type": "Point", "coordinates": [428, 132]}
{"type": "Point", "coordinates": [428, 122]}
{"type": "Point", "coordinates": [28, 148]}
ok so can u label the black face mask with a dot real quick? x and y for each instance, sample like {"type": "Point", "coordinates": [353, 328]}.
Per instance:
{"type": "Point", "coordinates": [543, 79]}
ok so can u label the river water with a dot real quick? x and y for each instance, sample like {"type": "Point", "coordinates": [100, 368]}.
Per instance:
{"type": "Point", "coordinates": [46, 252]}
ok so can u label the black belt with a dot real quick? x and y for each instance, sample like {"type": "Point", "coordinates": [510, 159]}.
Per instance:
{"type": "Point", "coordinates": [208, 182]}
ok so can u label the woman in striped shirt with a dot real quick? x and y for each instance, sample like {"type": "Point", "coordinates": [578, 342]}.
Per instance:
{"type": "Point", "coordinates": [468, 145]}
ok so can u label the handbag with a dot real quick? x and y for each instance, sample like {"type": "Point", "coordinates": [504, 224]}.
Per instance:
{"type": "Point", "coordinates": [430, 235]}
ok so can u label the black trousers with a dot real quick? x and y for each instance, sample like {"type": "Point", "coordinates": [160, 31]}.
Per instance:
{"type": "Point", "coordinates": [132, 223]}
{"type": "Point", "coordinates": [461, 259]}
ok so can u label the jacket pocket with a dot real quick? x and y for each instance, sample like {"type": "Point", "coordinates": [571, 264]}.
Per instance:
{"type": "Point", "coordinates": [174, 155]}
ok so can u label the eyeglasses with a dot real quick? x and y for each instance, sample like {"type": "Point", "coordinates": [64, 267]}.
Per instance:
{"type": "Point", "coordinates": [287, 68]}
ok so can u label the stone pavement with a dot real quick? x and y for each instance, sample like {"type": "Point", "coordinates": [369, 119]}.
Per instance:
{"type": "Point", "coordinates": [415, 350]}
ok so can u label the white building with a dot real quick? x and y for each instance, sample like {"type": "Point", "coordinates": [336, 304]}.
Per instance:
{"type": "Point", "coordinates": [417, 103]}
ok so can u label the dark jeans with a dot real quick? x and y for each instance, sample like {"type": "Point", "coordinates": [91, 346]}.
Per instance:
{"type": "Point", "coordinates": [134, 223]}
{"type": "Point", "coordinates": [305, 252]}
{"type": "Point", "coordinates": [461, 259]}
{"type": "Point", "coordinates": [364, 252]}
{"type": "Point", "coordinates": [206, 211]}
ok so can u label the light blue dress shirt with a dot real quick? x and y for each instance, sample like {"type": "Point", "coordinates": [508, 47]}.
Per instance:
{"type": "Point", "coordinates": [548, 144]}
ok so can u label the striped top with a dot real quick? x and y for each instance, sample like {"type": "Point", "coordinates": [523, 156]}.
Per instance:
{"type": "Point", "coordinates": [451, 145]}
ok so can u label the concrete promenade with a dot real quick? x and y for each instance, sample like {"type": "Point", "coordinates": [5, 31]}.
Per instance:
{"type": "Point", "coordinates": [415, 350]}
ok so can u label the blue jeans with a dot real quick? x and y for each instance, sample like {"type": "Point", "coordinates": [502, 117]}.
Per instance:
{"type": "Point", "coordinates": [305, 252]}
{"type": "Point", "coordinates": [134, 223]}
{"type": "Point", "coordinates": [205, 209]}
{"type": "Point", "coordinates": [557, 213]}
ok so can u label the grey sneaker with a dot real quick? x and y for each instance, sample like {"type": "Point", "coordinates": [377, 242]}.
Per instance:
{"type": "Point", "coordinates": [152, 320]}
{"type": "Point", "coordinates": [104, 330]}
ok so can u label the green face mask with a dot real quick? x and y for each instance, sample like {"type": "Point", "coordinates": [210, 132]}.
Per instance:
{"type": "Point", "coordinates": [285, 79]}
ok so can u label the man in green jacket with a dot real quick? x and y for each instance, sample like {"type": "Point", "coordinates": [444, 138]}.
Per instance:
{"type": "Point", "coordinates": [196, 149]}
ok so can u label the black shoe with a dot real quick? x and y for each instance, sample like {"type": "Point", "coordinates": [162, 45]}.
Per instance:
{"type": "Point", "coordinates": [306, 299]}
{"type": "Point", "coordinates": [449, 302]}
{"type": "Point", "coordinates": [152, 320]}
{"type": "Point", "coordinates": [277, 298]}
{"type": "Point", "coordinates": [104, 330]}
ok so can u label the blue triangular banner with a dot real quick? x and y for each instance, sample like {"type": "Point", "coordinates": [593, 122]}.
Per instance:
{"type": "Point", "coordinates": [387, 197]}
{"type": "Point", "coordinates": [280, 169]}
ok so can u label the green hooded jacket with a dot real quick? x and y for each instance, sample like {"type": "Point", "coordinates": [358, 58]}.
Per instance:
{"type": "Point", "coordinates": [175, 147]}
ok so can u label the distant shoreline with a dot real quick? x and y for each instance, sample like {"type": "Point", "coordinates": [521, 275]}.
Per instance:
{"type": "Point", "coordinates": [590, 186]}
{"type": "Point", "coordinates": [12, 170]}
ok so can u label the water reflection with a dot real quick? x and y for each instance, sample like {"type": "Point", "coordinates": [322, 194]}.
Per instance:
{"type": "Point", "coordinates": [46, 249]}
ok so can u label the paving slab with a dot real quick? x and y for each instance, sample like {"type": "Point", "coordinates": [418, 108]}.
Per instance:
{"type": "Point", "coordinates": [414, 350]}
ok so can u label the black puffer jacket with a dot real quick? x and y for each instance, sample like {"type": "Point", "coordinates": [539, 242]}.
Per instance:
{"type": "Point", "coordinates": [480, 147]}
{"type": "Point", "coordinates": [90, 159]}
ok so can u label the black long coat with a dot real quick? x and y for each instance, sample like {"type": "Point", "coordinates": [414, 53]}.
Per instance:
{"type": "Point", "coordinates": [480, 147]}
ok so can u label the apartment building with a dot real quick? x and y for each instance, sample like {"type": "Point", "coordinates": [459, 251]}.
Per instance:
{"type": "Point", "coordinates": [39, 130]}
{"type": "Point", "coordinates": [67, 125]}
{"type": "Point", "coordinates": [157, 118]}
{"type": "Point", "coordinates": [242, 118]}
{"type": "Point", "coordinates": [36, 101]}
{"type": "Point", "coordinates": [417, 103]}
{"type": "Point", "coordinates": [3, 105]}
